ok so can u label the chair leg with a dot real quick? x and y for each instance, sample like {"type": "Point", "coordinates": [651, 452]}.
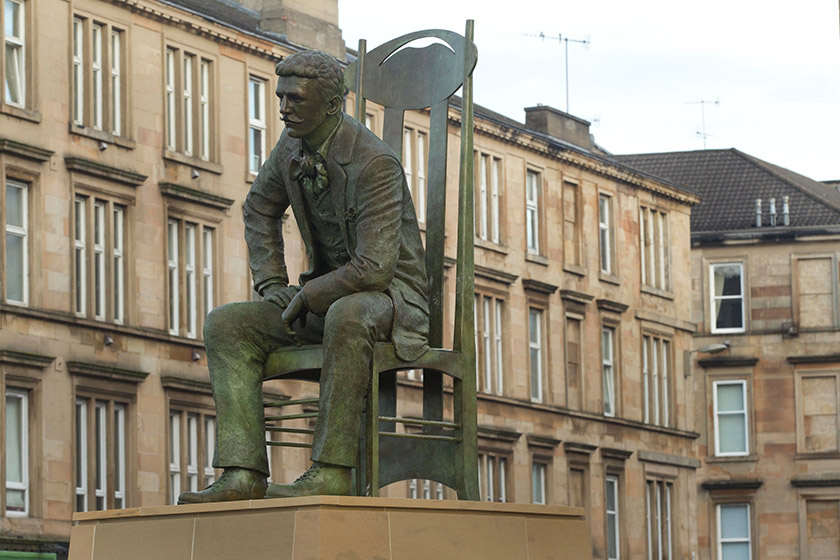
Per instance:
{"type": "Point", "coordinates": [372, 431]}
{"type": "Point", "coordinates": [466, 462]}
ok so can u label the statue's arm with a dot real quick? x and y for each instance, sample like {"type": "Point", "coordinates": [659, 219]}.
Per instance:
{"type": "Point", "coordinates": [263, 214]}
{"type": "Point", "coordinates": [378, 213]}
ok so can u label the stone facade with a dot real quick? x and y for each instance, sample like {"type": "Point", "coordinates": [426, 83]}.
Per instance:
{"type": "Point", "coordinates": [129, 157]}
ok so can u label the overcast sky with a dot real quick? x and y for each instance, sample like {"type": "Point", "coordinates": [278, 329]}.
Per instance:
{"type": "Point", "coordinates": [773, 65]}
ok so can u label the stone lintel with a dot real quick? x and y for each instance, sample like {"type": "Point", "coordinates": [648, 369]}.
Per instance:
{"type": "Point", "coordinates": [817, 359]}
{"type": "Point", "coordinates": [538, 286]}
{"type": "Point", "coordinates": [185, 384]}
{"type": "Point", "coordinates": [27, 151]}
{"type": "Point", "coordinates": [493, 274]}
{"type": "Point", "coordinates": [500, 434]}
{"type": "Point", "coordinates": [666, 320]}
{"type": "Point", "coordinates": [102, 371]}
{"type": "Point", "coordinates": [613, 306]}
{"type": "Point", "coordinates": [575, 297]}
{"type": "Point", "coordinates": [667, 459]}
{"type": "Point", "coordinates": [728, 361]}
{"type": "Point", "coordinates": [181, 192]}
{"type": "Point", "coordinates": [819, 480]}
{"type": "Point", "coordinates": [16, 358]}
{"type": "Point", "coordinates": [103, 171]}
{"type": "Point", "coordinates": [544, 442]}
{"type": "Point", "coordinates": [578, 447]}
{"type": "Point", "coordinates": [732, 484]}
{"type": "Point", "coordinates": [614, 453]}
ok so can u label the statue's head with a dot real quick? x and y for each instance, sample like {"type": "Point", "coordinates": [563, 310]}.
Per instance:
{"type": "Point", "coordinates": [310, 86]}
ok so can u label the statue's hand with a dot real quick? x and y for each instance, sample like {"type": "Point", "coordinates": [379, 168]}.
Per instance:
{"type": "Point", "coordinates": [296, 308]}
{"type": "Point", "coordinates": [280, 295]}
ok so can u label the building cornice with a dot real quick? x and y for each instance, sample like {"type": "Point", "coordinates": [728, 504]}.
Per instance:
{"type": "Point", "coordinates": [727, 361]}
{"type": "Point", "coordinates": [103, 371]}
{"type": "Point", "coordinates": [189, 194]}
{"type": "Point", "coordinates": [13, 357]}
{"type": "Point", "coordinates": [493, 274]}
{"type": "Point", "coordinates": [13, 147]}
{"type": "Point", "coordinates": [816, 359]}
{"type": "Point", "coordinates": [732, 484]}
{"type": "Point", "coordinates": [668, 459]}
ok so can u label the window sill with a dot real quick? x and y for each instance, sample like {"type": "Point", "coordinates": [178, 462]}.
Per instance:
{"type": "Point", "coordinates": [574, 269]}
{"type": "Point", "coordinates": [193, 162]}
{"type": "Point", "coordinates": [735, 459]}
{"type": "Point", "coordinates": [102, 136]}
{"type": "Point", "coordinates": [20, 112]}
{"type": "Point", "coordinates": [538, 259]}
{"type": "Point", "coordinates": [250, 177]}
{"type": "Point", "coordinates": [609, 278]}
{"type": "Point", "coordinates": [800, 456]}
{"type": "Point", "coordinates": [657, 292]}
{"type": "Point", "coordinates": [491, 246]}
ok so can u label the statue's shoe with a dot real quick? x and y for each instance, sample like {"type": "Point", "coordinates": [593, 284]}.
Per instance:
{"type": "Point", "coordinates": [319, 479]}
{"type": "Point", "coordinates": [234, 484]}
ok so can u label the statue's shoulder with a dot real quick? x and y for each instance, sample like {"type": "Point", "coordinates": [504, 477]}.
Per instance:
{"type": "Point", "coordinates": [367, 142]}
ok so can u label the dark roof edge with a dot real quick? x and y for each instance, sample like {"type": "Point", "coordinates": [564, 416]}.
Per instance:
{"type": "Point", "coordinates": [767, 233]}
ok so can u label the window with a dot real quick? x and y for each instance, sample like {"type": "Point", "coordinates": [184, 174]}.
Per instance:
{"type": "Point", "coordinates": [612, 517]}
{"type": "Point", "coordinates": [415, 146]}
{"type": "Point", "coordinates": [571, 224]}
{"type": "Point", "coordinates": [488, 198]}
{"type": "Point", "coordinates": [98, 75]}
{"type": "Point", "coordinates": [17, 243]}
{"type": "Point", "coordinates": [533, 188]}
{"type": "Point", "coordinates": [256, 124]}
{"type": "Point", "coordinates": [17, 453]}
{"type": "Point", "coordinates": [100, 454]}
{"type": "Point", "coordinates": [733, 529]}
{"type": "Point", "coordinates": [191, 265]}
{"type": "Point", "coordinates": [188, 101]}
{"type": "Point", "coordinates": [535, 344]}
{"type": "Point", "coordinates": [538, 490]}
{"type": "Point", "coordinates": [608, 369]}
{"type": "Point", "coordinates": [727, 297]}
{"type": "Point", "coordinates": [730, 402]}
{"type": "Point", "coordinates": [415, 485]}
{"type": "Point", "coordinates": [99, 258]}
{"type": "Point", "coordinates": [606, 233]}
{"type": "Point", "coordinates": [192, 441]}
{"type": "Point", "coordinates": [489, 343]}
{"type": "Point", "coordinates": [656, 368]}
{"type": "Point", "coordinates": [492, 477]}
{"type": "Point", "coordinates": [14, 25]}
{"type": "Point", "coordinates": [653, 227]}
{"type": "Point", "coordinates": [820, 527]}
{"type": "Point", "coordinates": [658, 506]}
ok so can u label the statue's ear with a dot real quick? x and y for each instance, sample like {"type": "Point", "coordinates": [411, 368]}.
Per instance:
{"type": "Point", "coordinates": [334, 105]}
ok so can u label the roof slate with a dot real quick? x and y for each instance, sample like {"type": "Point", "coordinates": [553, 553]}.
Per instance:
{"type": "Point", "coordinates": [729, 182]}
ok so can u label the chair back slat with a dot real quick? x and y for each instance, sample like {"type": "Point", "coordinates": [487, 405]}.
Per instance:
{"type": "Point", "coordinates": [392, 130]}
{"type": "Point", "coordinates": [436, 218]}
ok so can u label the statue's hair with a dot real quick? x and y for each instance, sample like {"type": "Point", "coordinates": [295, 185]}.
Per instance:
{"type": "Point", "coordinates": [315, 65]}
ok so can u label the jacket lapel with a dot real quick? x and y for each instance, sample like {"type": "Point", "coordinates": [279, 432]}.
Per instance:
{"type": "Point", "coordinates": [340, 154]}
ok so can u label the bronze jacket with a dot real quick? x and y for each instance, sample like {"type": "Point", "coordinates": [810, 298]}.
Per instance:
{"type": "Point", "coordinates": [377, 221]}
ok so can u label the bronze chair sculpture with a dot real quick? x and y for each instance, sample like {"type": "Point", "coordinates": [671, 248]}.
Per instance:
{"type": "Point", "coordinates": [400, 80]}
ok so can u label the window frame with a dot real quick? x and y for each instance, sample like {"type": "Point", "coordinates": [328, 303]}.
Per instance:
{"type": "Point", "coordinates": [24, 396]}
{"type": "Point", "coordinates": [609, 367]}
{"type": "Point", "coordinates": [98, 443]}
{"type": "Point", "coordinates": [416, 167]}
{"type": "Point", "coordinates": [539, 479]}
{"type": "Point", "coordinates": [257, 121]}
{"type": "Point", "coordinates": [187, 309]}
{"type": "Point", "coordinates": [17, 231]}
{"type": "Point", "coordinates": [100, 254]}
{"type": "Point", "coordinates": [719, 533]}
{"type": "Point", "coordinates": [490, 341]}
{"type": "Point", "coordinates": [654, 248]}
{"type": "Point", "coordinates": [494, 466]}
{"type": "Point", "coordinates": [574, 245]}
{"type": "Point", "coordinates": [489, 197]}
{"type": "Point", "coordinates": [540, 347]}
{"type": "Point", "coordinates": [99, 86]}
{"type": "Point", "coordinates": [534, 244]}
{"type": "Point", "coordinates": [714, 298]}
{"type": "Point", "coordinates": [664, 527]}
{"type": "Point", "coordinates": [606, 230]}
{"type": "Point", "coordinates": [15, 42]}
{"type": "Point", "coordinates": [193, 469]}
{"type": "Point", "coordinates": [716, 413]}
{"type": "Point", "coordinates": [658, 383]}
{"type": "Point", "coordinates": [616, 515]}
{"type": "Point", "coordinates": [190, 106]}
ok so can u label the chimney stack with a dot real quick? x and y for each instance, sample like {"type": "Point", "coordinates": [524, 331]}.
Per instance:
{"type": "Point", "coordinates": [554, 122]}
{"type": "Point", "coordinates": [310, 23]}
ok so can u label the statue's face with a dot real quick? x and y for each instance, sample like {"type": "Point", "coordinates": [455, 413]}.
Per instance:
{"type": "Point", "coordinates": [302, 107]}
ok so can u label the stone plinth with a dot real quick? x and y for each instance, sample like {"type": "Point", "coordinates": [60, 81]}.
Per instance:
{"type": "Point", "coordinates": [330, 527]}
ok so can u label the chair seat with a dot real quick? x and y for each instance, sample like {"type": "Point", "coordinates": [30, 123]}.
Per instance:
{"type": "Point", "coordinates": [305, 362]}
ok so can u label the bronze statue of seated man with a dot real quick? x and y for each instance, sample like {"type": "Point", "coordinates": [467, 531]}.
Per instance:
{"type": "Point", "coordinates": [366, 283]}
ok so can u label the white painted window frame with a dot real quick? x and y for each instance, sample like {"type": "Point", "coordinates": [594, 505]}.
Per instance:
{"type": "Point", "coordinates": [532, 211]}
{"type": "Point", "coordinates": [22, 232]}
{"type": "Point", "coordinates": [16, 43]}
{"type": "Point", "coordinates": [713, 299]}
{"type": "Point", "coordinates": [23, 485]}
{"type": "Point", "coordinates": [744, 413]}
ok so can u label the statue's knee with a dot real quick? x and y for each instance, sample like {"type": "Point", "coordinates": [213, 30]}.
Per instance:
{"type": "Point", "coordinates": [218, 322]}
{"type": "Point", "coordinates": [347, 315]}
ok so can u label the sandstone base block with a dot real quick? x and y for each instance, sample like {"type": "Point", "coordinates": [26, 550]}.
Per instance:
{"type": "Point", "coordinates": [333, 528]}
